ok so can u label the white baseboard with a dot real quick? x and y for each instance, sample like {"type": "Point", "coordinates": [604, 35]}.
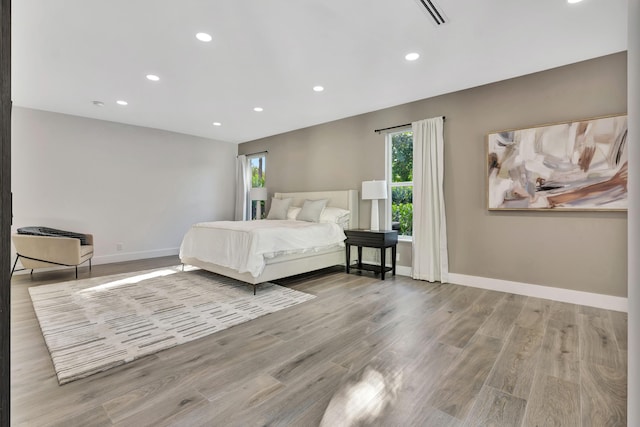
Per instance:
{"type": "Point", "coordinates": [607, 302]}
{"type": "Point", "coordinates": [403, 270]}
{"type": "Point", "coordinates": [133, 256]}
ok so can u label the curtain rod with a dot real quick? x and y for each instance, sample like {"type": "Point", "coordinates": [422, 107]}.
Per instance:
{"type": "Point", "coordinates": [253, 154]}
{"type": "Point", "coordinates": [399, 126]}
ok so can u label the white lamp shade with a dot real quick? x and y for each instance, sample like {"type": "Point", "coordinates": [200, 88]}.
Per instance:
{"type": "Point", "coordinates": [374, 190]}
{"type": "Point", "coordinates": [259, 193]}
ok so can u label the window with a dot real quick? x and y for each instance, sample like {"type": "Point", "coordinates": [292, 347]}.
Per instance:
{"type": "Point", "coordinates": [400, 177]}
{"type": "Point", "coordinates": [258, 176]}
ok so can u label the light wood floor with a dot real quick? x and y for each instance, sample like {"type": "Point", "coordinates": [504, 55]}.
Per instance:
{"type": "Point", "coordinates": [393, 353]}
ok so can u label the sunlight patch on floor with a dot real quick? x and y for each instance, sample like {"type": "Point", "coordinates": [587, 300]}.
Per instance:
{"type": "Point", "coordinates": [137, 279]}
{"type": "Point", "coordinates": [363, 401]}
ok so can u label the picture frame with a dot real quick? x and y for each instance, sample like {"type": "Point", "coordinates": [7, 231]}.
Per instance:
{"type": "Point", "coordinates": [567, 166]}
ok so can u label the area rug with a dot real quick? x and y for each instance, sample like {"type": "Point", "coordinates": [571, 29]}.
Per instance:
{"type": "Point", "coordinates": [95, 324]}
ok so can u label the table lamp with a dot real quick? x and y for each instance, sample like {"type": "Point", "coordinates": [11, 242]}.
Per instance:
{"type": "Point", "coordinates": [374, 191]}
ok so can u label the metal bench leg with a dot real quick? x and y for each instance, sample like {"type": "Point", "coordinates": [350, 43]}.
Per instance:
{"type": "Point", "coordinates": [14, 265]}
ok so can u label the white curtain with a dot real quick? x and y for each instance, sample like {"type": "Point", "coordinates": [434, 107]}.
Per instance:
{"type": "Point", "coordinates": [430, 260]}
{"type": "Point", "coordinates": [243, 188]}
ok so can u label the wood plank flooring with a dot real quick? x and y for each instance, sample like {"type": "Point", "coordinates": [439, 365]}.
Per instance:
{"type": "Point", "coordinates": [365, 352]}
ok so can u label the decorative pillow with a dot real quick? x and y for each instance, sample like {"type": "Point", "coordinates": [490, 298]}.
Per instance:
{"type": "Point", "coordinates": [311, 210]}
{"type": "Point", "coordinates": [279, 208]}
{"type": "Point", "coordinates": [337, 215]}
{"type": "Point", "coordinates": [293, 212]}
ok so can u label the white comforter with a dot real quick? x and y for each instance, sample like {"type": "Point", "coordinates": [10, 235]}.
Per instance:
{"type": "Point", "coordinates": [244, 245]}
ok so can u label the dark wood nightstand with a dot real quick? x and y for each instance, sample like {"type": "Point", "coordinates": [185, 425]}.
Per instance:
{"type": "Point", "coordinates": [381, 239]}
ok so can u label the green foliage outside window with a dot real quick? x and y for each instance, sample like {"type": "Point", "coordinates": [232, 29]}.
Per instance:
{"type": "Point", "coordinates": [258, 177]}
{"type": "Point", "coordinates": [402, 157]}
{"type": "Point", "coordinates": [402, 209]}
{"type": "Point", "coordinates": [402, 172]}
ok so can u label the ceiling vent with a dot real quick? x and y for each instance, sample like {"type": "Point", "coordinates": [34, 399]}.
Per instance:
{"type": "Point", "coordinates": [434, 11]}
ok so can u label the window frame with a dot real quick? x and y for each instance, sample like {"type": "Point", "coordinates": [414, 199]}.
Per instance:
{"type": "Point", "coordinates": [263, 203]}
{"type": "Point", "coordinates": [250, 158]}
{"type": "Point", "coordinates": [389, 178]}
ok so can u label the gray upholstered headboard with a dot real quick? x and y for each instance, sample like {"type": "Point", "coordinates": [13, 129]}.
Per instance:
{"type": "Point", "coordinates": [345, 199]}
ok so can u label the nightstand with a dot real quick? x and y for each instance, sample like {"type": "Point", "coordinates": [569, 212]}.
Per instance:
{"type": "Point", "coordinates": [381, 239]}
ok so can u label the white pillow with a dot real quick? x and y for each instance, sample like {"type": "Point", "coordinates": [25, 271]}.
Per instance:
{"type": "Point", "coordinates": [337, 215]}
{"type": "Point", "coordinates": [344, 223]}
{"type": "Point", "coordinates": [293, 212]}
{"type": "Point", "coordinates": [278, 208]}
{"type": "Point", "coordinates": [311, 210]}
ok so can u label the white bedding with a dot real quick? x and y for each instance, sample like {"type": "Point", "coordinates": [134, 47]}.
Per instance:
{"type": "Point", "coordinates": [245, 245]}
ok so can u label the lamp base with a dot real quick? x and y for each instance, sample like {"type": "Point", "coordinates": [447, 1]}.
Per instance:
{"type": "Point", "coordinates": [375, 223]}
{"type": "Point", "coordinates": [258, 209]}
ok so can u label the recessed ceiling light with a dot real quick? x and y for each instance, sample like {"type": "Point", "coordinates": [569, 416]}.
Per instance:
{"type": "Point", "coordinates": [412, 56]}
{"type": "Point", "coordinates": [573, 1]}
{"type": "Point", "coordinates": [204, 37]}
{"type": "Point", "coordinates": [153, 77]}
{"type": "Point", "coordinates": [121, 102]}
{"type": "Point", "coordinates": [318, 88]}
{"type": "Point", "coordinates": [217, 124]}
{"type": "Point", "coordinates": [98, 103]}
{"type": "Point", "coordinates": [258, 109]}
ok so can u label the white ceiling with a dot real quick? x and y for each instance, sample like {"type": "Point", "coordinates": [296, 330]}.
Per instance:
{"type": "Point", "coordinates": [270, 53]}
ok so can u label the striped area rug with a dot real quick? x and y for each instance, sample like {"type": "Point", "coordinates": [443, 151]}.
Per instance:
{"type": "Point", "coordinates": [95, 324]}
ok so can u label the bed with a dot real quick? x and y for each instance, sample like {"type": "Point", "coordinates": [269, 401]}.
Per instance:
{"type": "Point", "coordinates": [285, 264]}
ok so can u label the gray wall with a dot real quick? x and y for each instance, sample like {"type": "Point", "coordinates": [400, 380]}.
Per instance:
{"type": "Point", "coordinates": [129, 185]}
{"type": "Point", "coordinates": [583, 251]}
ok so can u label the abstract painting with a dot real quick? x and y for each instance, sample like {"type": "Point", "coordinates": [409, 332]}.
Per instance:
{"type": "Point", "coordinates": [579, 165]}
